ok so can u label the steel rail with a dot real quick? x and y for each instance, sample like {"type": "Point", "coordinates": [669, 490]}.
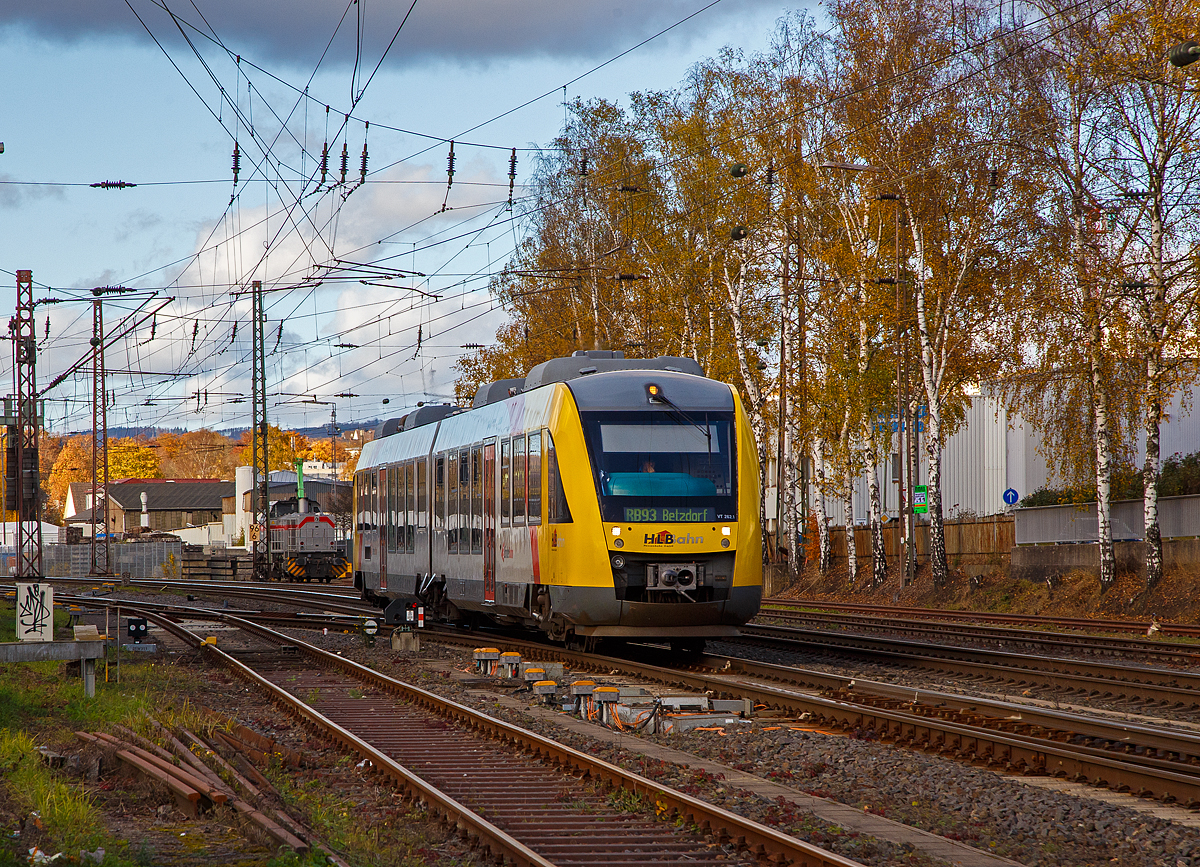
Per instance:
{"type": "Point", "coordinates": [492, 839]}
{"type": "Point", "coordinates": [1095, 625]}
{"type": "Point", "coordinates": [1131, 736]}
{"type": "Point", "coordinates": [1169, 686]}
{"type": "Point", "coordinates": [1011, 751]}
{"type": "Point", "coordinates": [1186, 654]}
{"type": "Point", "coordinates": [764, 841]}
{"type": "Point", "coordinates": [341, 603]}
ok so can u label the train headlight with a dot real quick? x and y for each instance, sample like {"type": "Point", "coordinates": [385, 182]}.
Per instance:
{"type": "Point", "coordinates": [618, 543]}
{"type": "Point", "coordinates": [724, 543]}
{"type": "Point", "coordinates": [654, 394]}
{"type": "Point", "coordinates": [618, 561]}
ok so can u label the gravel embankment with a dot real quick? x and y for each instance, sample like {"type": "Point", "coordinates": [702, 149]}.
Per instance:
{"type": "Point", "coordinates": [987, 810]}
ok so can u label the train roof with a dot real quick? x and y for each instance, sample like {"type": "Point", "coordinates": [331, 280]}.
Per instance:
{"type": "Point", "coordinates": [596, 380]}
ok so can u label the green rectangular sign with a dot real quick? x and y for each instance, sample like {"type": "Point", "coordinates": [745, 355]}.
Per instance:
{"type": "Point", "coordinates": [921, 499]}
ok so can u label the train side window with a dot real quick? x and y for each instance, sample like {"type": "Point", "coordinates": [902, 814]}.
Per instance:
{"type": "Point", "coordinates": [439, 493]}
{"type": "Point", "coordinates": [505, 483]}
{"type": "Point", "coordinates": [403, 508]}
{"type": "Point", "coordinates": [390, 511]}
{"type": "Point", "coordinates": [558, 512]}
{"type": "Point", "coordinates": [534, 476]}
{"type": "Point", "coordinates": [518, 480]}
{"type": "Point", "coordinates": [422, 493]}
{"type": "Point", "coordinates": [464, 501]}
{"type": "Point", "coordinates": [395, 485]}
{"type": "Point", "coordinates": [477, 500]}
{"type": "Point", "coordinates": [410, 507]}
{"type": "Point", "coordinates": [374, 519]}
{"type": "Point", "coordinates": [452, 502]}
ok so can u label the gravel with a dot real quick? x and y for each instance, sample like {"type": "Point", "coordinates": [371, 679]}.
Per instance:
{"type": "Point", "coordinates": [999, 814]}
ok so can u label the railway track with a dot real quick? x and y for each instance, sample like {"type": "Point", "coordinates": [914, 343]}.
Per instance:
{"type": "Point", "coordinates": [519, 796]}
{"type": "Point", "coordinates": [1148, 761]}
{"type": "Point", "coordinates": [1189, 630]}
{"type": "Point", "coordinates": [1177, 654]}
{"type": "Point", "coordinates": [1136, 685]}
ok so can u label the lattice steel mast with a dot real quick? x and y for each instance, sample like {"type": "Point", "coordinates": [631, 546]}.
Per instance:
{"type": "Point", "coordinates": [28, 486]}
{"type": "Point", "coordinates": [100, 550]}
{"type": "Point", "coordinates": [261, 539]}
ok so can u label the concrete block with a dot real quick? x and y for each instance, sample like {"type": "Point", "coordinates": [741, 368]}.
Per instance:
{"type": "Point", "coordinates": [743, 706]}
{"type": "Point", "coordinates": [409, 642]}
{"type": "Point", "coordinates": [141, 648]}
{"type": "Point", "coordinates": [671, 724]}
{"type": "Point", "coordinates": [688, 702]}
{"type": "Point", "coordinates": [554, 670]}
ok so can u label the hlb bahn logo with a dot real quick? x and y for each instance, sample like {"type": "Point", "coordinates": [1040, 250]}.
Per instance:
{"type": "Point", "coordinates": [666, 537]}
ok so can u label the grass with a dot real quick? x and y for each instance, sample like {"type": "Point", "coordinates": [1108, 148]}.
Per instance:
{"type": "Point", "coordinates": [66, 811]}
{"type": "Point", "coordinates": [40, 703]}
{"type": "Point", "coordinates": [8, 620]}
{"type": "Point", "coordinates": [342, 824]}
{"type": "Point", "coordinates": [38, 696]}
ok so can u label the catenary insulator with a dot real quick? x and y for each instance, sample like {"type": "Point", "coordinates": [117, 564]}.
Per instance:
{"type": "Point", "coordinates": [237, 161]}
{"type": "Point", "coordinates": [345, 160]}
{"type": "Point", "coordinates": [324, 161]}
{"type": "Point", "coordinates": [450, 167]}
{"type": "Point", "coordinates": [512, 174]}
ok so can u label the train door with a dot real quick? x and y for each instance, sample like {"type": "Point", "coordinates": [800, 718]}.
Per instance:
{"type": "Point", "coordinates": [384, 524]}
{"type": "Point", "coordinates": [489, 522]}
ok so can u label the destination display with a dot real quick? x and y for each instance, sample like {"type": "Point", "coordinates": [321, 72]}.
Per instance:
{"type": "Point", "coordinates": [667, 514]}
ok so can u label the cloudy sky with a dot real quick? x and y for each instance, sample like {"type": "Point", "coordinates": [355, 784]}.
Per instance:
{"type": "Point", "coordinates": [155, 92]}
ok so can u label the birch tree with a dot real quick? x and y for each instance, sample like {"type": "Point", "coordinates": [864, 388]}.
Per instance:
{"type": "Point", "coordinates": [1155, 162]}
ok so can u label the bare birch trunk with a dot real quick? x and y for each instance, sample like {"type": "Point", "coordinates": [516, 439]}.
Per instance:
{"type": "Point", "coordinates": [937, 530]}
{"type": "Point", "coordinates": [825, 559]}
{"type": "Point", "coordinates": [1108, 557]}
{"type": "Point", "coordinates": [1154, 399]}
{"type": "Point", "coordinates": [931, 376]}
{"type": "Point", "coordinates": [735, 288]}
{"type": "Point", "coordinates": [878, 554]}
{"type": "Point", "coordinates": [848, 511]}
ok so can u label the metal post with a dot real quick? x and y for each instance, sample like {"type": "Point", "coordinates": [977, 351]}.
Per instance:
{"type": "Point", "coordinates": [100, 550]}
{"type": "Point", "coordinates": [258, 440]}
{"type": "Point", "coordinates": [802, 323]}
{"type": "Point", "coordinates": [782, 478]}
{"type": "Point", "coordinates": [28, 486]}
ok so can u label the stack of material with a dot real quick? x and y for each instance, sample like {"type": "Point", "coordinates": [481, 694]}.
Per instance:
{"type": "Point", "coordinates": [197, 787]}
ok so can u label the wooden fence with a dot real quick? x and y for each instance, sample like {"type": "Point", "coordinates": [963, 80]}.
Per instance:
{"type": "Point", "coordinates": [974, 543]}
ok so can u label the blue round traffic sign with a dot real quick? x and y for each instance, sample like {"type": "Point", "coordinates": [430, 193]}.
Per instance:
{"type": "Point", "coordinates": [1011, 497]}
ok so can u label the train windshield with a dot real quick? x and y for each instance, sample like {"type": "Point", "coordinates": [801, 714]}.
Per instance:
{"type": "Point", "coordinates": [663, 466]}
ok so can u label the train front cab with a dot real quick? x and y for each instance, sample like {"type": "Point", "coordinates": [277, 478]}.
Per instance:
{"type": "Point", "coordinates": [664, 539]}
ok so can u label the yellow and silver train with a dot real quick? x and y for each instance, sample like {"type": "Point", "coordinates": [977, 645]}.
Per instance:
{"type": "Point", "coordinates": [599, 497]}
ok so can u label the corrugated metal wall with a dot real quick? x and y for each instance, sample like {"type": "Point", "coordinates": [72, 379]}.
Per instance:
{"type": "Point", "coordinates": [1178, 517]}
{"type": "Point", "coordinates": [992, 451]}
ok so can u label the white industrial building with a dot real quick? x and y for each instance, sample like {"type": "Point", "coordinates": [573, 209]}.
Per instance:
{"type": "Point", "coordinates": [994, 450]}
